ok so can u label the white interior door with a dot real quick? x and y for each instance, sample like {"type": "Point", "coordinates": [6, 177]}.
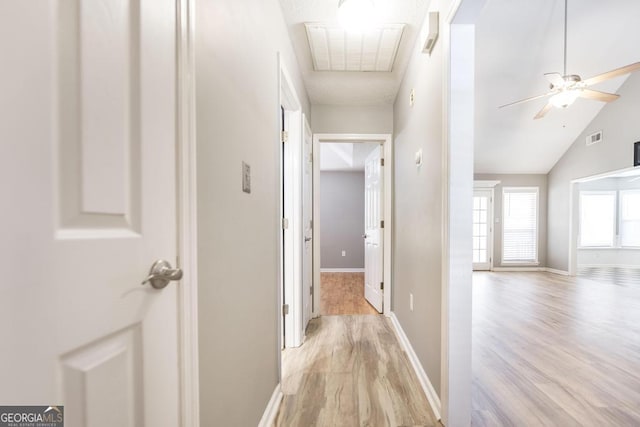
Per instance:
{"type": "Point", "coordinates": [87, 175]}
{"type": "Point", "coordinates": [373, 235]}
{"type": "Point", "coordinates": [307, 223]}
{"type": "Point", "coordinates": [482, 229]}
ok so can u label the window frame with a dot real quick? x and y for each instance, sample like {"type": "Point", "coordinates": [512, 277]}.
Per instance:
{"type": "Point", "coordinates": [619, 219]}
{"type": "Point", "coordinates": [516, 189]}
{"type": "Point", "coordinates": [616, 213]}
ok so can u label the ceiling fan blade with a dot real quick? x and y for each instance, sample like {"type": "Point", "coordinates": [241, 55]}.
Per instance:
{"type": "Point", "coordinates": [527, 99]}
{"type": "Point", "coordinates": [544, 111]}
{"type": "Point", "coordinates": [597, 95]}
{"type": "Point", "coordinates": [613, 73]}
{"type": "Point", "coordinates": [555, 79]}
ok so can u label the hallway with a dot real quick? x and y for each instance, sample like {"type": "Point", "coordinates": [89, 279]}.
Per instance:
{"type": "Point", "coordinates": [351, 371]}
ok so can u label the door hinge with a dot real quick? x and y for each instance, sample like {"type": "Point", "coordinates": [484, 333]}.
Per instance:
{"type": "Point", "coordinates": [381, 285]}
{"type": "Point", "coordinates": [311, 290]}
{"type": "Point", "coordinates": [381, 162]}
{"type": "Point", "coordinates": [382, 224]}
{"type": "Point", "coordinates": [285, 309]}
{"type": "Point", "coordinates": [311, 224]}
{"type": "Point", "coordinates": [285, 223]}
{"type": "Point", "coordinates": [284, 136]}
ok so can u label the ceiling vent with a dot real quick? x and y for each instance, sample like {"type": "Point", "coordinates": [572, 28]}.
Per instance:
{"type": "Point", "coordinates": [594, 138]}
{"type": "Point", "coordinates": [334, 49]}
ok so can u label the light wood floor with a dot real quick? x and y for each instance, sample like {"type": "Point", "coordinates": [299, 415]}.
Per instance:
{"type": "Point", "coordinates": [343, 293]}
{"type": "Point", "coordinates": [351, 371]}
{"type": "Point", "coordinates": [551, 350]}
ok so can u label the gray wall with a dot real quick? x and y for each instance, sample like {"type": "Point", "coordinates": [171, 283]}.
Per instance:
{"type": "Point", "coordinates": [352, 119]}
{"type": "Point", "coordinates": [621, 126]}
{"type": "Point", "coordinates": [341, 219]}
{"type": "Point", "coordinates": [508, 180]}
{"type": "Point", "coordinates": [418, 195]}
{"type": "Point", "coordinates": [237, 120]}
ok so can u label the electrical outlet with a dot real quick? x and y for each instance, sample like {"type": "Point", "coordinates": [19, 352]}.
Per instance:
{"type": "Point", "coordinates": [344, 253]}
{"type": "Point", "coordinates": [412, 97]}
{"type": "Point", "coordinates": [411, 302]}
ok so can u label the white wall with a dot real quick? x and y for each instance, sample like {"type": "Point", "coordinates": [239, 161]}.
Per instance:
{"type": "Point", "coordinates": [237, 43]}
{"type": "Point", "coordinates": [619, 121]}
{"type": "Point", "coordinates": [352, 119]}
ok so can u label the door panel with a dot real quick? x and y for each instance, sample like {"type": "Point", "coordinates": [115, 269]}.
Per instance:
{"type": "Point", "coordinates": [307, 216]}
{"type": "Point", "coordinates": [482, 229]}
{"type": "Point", "coordinates": [90, 176]}
{"type": "Point", "coordinates": [373, 241]}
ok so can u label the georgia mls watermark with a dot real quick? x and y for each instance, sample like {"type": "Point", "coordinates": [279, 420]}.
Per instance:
{"type": "Point", "coordinates": [31, 416]}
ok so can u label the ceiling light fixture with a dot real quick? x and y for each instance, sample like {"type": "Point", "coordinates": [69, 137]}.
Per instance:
{"type": "Point", "coordinates": [564, 98]}
{"type": "Point", "coordinates": [357, 15]}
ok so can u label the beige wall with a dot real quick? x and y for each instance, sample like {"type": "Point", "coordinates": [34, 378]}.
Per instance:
{"type": "Point", "coordinates": [352, 119]}
{"type": "Point", "coordinates": [238, 120]}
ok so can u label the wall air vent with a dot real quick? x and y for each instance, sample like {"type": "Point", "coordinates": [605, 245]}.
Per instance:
{"type": "Point", "coordinates": [594, 138]}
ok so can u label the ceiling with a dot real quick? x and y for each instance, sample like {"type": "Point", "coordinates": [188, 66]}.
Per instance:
{"type": "Point", "coordinates": [352, 87]}
{"type": "Point", "coordinates": [342, 156]}
{"type": "Point", "coordinates": [517, 41]}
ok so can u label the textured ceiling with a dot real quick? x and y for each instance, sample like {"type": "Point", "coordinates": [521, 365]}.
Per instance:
{"type": "Point", "coordinates": [520, 40]}
{"type": "Point", "coordinates": [348, 87]}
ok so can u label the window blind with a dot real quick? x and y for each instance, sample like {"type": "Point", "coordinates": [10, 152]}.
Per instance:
{"type": "Point", "coordinates": [520, 225]}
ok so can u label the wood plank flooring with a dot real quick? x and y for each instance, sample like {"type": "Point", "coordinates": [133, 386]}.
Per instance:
{"type": "Point", "coordinates": [551, 350]}
{"type": "Point", "coordinates": [351, 371]}
{"type": "Point", "coordinates": [343, 293]}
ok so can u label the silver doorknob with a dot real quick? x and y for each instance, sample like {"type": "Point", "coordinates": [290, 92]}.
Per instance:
{"type": "Point", "coordinates": [306, 239]}
{"type": "Point", "coordinates": [364, 236]}
{"type": "Point", "coordinates": [161, 274]}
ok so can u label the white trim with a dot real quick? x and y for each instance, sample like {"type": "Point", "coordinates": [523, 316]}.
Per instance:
{"type": "Point", "coordinates": [342, 270]}
{"type": "Point", "coordinates": [271, 411]}
{"type": "Point", "coordinates": [291, 193]}
{"type": "Point", "coordinates": [520, 268]}
{"type": "Point", "coordinates": [482, 184]}
{"type": "Point", "coordinates": [387, 141]}
{"type": "Point", "coordinates": [187, 216]}
{"type": "Point", "coordinates": [556, 271]}
{"type": "Point", "coordinates": [630, 266]}
{"type": "Point", "coordinates": [423, 378]}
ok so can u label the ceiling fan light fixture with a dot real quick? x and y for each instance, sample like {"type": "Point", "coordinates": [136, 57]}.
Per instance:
{"type": "Point", "coordinates": [564, 98]}
{"type": "Point", "coordinates": [358, 15]}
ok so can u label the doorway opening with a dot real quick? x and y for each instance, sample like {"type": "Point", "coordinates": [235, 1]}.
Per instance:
{"type": "Point", "coordinates": [352, 224]}
{"type": "Point", "coordinates": [605, 227]}
{"type": "Point", "coordinates": [350, 239]}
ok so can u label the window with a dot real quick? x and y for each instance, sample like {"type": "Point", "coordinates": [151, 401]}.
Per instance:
{"type": "Point", "coordinates": [630, 218]}
{"type": "Point", "coordinates": [597, 218]}
{"type": "Point", "coordinates": [520, 225]}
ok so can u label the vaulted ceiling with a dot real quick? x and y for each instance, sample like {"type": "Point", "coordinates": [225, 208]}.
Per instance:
{"type": "Point", "coordinates": [517, 42]}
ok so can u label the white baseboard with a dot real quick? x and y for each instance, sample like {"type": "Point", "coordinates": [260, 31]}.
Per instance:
{"type": "Point", "coordinates": [271, 411]}
{"type": "Point", "coordinates": [342, 270]}
{"type": "Point", "coordinates": [554, 271]}
{"type": "Point", "coordinates": [432, 396]}
{"type": "Point", "coordinates": [518, 269]}
{"type": "Point", "coordinates": [632, 266]}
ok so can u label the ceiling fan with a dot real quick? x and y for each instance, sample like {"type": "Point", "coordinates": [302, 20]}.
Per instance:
{"type": "Point", "coordinates": [566, 88]}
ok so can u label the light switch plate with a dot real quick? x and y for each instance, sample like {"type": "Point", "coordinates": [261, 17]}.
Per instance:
{"type": "Point", "coordinates": [246, 178]}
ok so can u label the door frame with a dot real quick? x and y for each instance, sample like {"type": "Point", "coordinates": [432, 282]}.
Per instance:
{"type": "Point", "coordinates": [187, 199]}
{"type": "Point", "coordinates": [490, 223]}
{"type": "Point", "coordinates": [290, 242]}
{"type": "Point", "coordinates": [387, 142]}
